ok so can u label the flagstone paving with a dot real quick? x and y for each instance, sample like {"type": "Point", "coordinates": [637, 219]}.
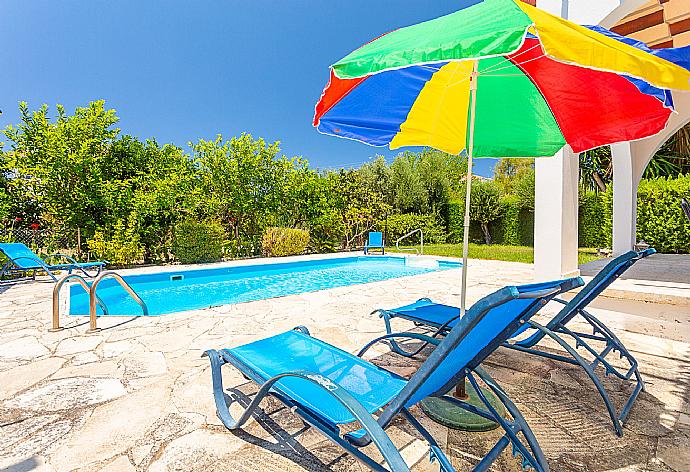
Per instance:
{"type": "Point", "coordinates": [136, 396]}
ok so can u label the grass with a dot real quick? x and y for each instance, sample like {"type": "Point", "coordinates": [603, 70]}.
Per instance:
{"type": "Point", "coordinates": [496, 252]}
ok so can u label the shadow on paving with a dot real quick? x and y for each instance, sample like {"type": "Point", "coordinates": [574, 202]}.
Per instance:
{"type": "Point", "coordinates": [559, 402]}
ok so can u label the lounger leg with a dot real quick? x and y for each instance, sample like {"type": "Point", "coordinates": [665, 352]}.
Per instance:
{"type": "Point", "coordinates": [435, 452]}
{"type": "Point", "coordinates": [395, 347]}
{"type": "Point", "coordinates": [374, 432]}
{"type": "Point", "coordinates": [222, 409]}
{"type": "Point", "coordinates": [615, 344]}
{"type": "Point", "coordinates": [582, 362]}
{"type": "Point", "coordinates": [532, 455]}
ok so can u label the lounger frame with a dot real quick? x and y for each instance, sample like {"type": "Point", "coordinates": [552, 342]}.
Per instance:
{"type": "Point", "coordinates": [516, 430]}
{"type": "Point", "coordinates": [25, 264]}
{"type": "Point", "coordinates": [570, 340]}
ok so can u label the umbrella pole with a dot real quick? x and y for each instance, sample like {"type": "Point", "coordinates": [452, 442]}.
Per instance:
{"type": "Point", "coordinates": [460, 387]}
{"type": "Point", "coordinates": [437, 408]}
{"type": "Point", "coordinates": [466, 220]}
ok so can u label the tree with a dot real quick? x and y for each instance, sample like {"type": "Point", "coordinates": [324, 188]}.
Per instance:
{"type": "Point", "coordinates": [408, 192]}
{"type": "Point", "coordinates": [596, 169]}
{"type": "Point", "coordinates": [361, 208]}
{"type": "Point", "coordinates": [62, 164]}
{"type": "Point", "coordinates": [376, 175]}
{"type": "Point", "coordinates": [422, 182]}
{"type": "Point", "coordinates": [243, 181]}
{"type": "Point", "coordinates": [509, 171]}
{"type": "Point", "coordinates": [485, 205]}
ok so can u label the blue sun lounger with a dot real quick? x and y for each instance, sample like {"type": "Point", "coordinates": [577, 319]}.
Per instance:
{"type": "Point", "coordinates": [329, 387]}
{"type": "Point", "coordinates": [443, 318]}
{"type": "Point", "coordinates": [22, 259]}
{"type": "Point", "coordinates": [375, 242]}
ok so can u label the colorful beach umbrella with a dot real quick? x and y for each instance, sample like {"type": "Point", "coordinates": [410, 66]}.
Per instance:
{"type": "Point", "coordinates": [498, 78]}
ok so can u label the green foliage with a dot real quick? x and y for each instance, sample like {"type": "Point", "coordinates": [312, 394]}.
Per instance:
{"type": "Point", "coordinates": [278, 242]}
{"type": "Point", "coordinates": [508, 172]}
{"type": "Point", "coordinates": [361, 208]}
{"type": "Point", "coordinates": [118, 244]}
{"type": "Point", "coordinates": [596, 169]}
{"type": "Point", "coordinates": [591, 213]}
{"type": "Point", "coordinates": [485, 205]}
{"type": "Point", "coordinates": [195, 242]}
{"type": "Point", "coordinates": [399, 225]}
{"type": "Point", "coordinates": [607, 217]}
{"type": "Point", "coordinates": [454, 216]}
{"type": "Point", "coordinates": [243, 181]}
{"type": "Point", "coordinates": [523, 189]}
{"type": "Point", "coordinates": [509, 225]}
{"type": "Point", "coordinates": [660, 219]}
{"type": "Point", "coordinates": [423, 182]}
{"type": "Point", "coordinates": [62, 164]}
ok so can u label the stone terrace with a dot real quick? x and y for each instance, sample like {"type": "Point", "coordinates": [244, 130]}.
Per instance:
{"type": "Point", "coordinates": [137, 395]}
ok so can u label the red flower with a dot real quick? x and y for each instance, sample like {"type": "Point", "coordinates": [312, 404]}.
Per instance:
{"type": "Point", "coordinates": [18, 219]}
{"type": "Point", "coordinates": [35, 226]}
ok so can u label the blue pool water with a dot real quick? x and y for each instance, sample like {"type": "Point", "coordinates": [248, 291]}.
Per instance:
{"type": "Point", "coordinates": [172, 291]}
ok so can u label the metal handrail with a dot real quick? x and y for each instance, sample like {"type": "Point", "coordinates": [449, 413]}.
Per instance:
{"type": "Point", "coordinates": [56, 298]}
{"type": "Point", "coordinates": [421, 240]}
{"type": "Point", "coordinates": [93, 297]}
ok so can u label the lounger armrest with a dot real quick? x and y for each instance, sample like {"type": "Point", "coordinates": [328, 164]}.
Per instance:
{"type": "Point", "coordinates": [559, 300]}
{"type": "Point", "coordinates": [421, 337]}
{"type": "Point", "coordinates": [375, 432]}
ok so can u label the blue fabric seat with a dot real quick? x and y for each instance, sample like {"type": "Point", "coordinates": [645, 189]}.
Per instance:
{"type": "Point", "coordinates": [375, 241]}
{"type": "Point", "coordinates": [370, 385]}
{"type": "Point", "coordinates": [443, 318]}
{"type": "Point", "coordinates": [22, 259]}
{"type": "Point", "coordinates": [327, 386]}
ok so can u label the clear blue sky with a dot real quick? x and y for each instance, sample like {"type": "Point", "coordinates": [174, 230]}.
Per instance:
{"type": "Point", "coordinates": [180, 70]}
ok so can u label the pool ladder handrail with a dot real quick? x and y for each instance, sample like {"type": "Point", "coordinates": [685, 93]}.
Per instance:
{"type": "Point", "coordinates": [56, 299]}
{"type": "Point", "coordinates": [93, 298]}
{"type": "Point", "coordinates": [421, 241]}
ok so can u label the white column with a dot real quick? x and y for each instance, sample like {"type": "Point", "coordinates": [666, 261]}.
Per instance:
{"type": "Point", "coordinates": [625, 183]}
{"type": "Point", "coordinates": [555, 216]}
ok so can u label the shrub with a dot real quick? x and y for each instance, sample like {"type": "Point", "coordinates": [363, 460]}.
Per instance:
{"type": "Point", "coordinates": [591, 220]}
{"type": "Point", "coordinates": [119, 245]}
{"type": "Point", "coordinates": [660, 219]}
{"type": "Point", "coordinates": [508, 227]}
{"type": "Point", "coordinates": [279, 242]}
{"type": "Point", "coordinates": [195, 242]}
{"type": "Point", "coordinates": [515, 227]}
{"type": "Point", "coordinates": [455, 217]}
{"type": "Point", "coordinates": [326, 233]}
{"type": "Point", "coordinates": [399, 225]}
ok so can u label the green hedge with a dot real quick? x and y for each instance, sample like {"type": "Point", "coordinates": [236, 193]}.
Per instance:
{"type": "Point", "coordinates": [119, 245]}
{"type": "Point", "coordinates": [455, 215]}
{"type": "Point", "coordinates": [278, 242]}
{"type": "Point", "coordinates": [660, 219]}
{"type": "Point", "coordinates": [399, 225]}
{"type": "Point", "coordinates": [195, 242]}
{"type": "Point", "coordinates": [592, 232]}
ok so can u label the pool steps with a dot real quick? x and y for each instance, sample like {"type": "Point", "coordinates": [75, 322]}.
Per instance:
{"type": "Point", "coordinates": [94, 300]}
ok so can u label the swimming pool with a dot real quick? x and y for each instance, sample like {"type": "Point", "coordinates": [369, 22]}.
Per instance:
{"type": "Point", "coordinates": [173, 291]}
